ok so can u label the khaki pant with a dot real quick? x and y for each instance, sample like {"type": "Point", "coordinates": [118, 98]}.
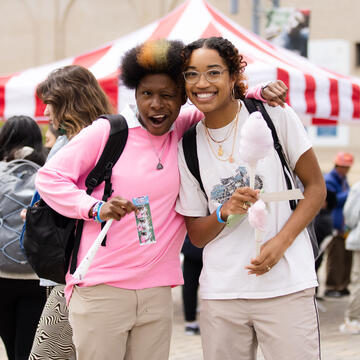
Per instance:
{"type": "Point", "coordinates": [338, 265]}
{"type": "Point", "coordinates": [285, 327]}
{"type": "Point", "coordinates": [353, 310]}
{"type": "Point", "coordinates": [110, 323]}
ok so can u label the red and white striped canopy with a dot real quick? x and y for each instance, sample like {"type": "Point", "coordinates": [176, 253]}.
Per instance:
{"type": "Point", "coordinates": [313, 91]}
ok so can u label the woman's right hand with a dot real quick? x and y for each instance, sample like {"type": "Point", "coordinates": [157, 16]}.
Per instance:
{"type": "Point", "coordinates": [240, 201]}
{"type": "Point", "coordinates": [116, 208]}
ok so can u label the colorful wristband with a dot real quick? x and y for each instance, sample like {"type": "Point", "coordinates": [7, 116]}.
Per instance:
{"type": "Point", "coordinates": [96, 212]}
{"type": "Point", "coordinates": [218, 215]}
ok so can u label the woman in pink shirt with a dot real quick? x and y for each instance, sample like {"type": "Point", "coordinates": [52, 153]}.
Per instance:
{"type": "Point", "coordinates": [123, 306]}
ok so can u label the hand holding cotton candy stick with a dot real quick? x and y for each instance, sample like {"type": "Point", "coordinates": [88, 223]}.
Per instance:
{"type": "Point", "coordinates": [258, 219]}
{"type": "Point", "coordinates": [255, 142]}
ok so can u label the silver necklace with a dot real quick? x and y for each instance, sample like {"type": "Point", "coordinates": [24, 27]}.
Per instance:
{"type": "Point", "coordinates": [159, 165]}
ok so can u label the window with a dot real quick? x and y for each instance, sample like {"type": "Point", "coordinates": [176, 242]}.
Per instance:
{"type": "Point", "coordinates": [329, 136]}
{"type": "Point", "coordinates": [357, 54]}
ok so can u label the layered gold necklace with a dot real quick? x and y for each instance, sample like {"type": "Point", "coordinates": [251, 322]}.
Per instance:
{"type": "Point", "coordinates": [220, 151]}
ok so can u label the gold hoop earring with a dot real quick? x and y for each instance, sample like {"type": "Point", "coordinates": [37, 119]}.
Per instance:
{"type": "Point", "coordinates": [232, 94]}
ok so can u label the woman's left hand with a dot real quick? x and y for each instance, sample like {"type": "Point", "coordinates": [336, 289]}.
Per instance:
{"type": "Point", "coordinates": [270, 254]}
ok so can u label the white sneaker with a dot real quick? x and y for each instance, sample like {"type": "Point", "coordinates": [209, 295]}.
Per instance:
{"type": "Point", "coordinates": [350, 327]}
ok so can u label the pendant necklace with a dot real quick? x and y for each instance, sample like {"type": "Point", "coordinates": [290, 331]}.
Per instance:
{"type": "Point", "coordinates": [218, 154]}
{"type": "Point", "coordinates": [220, 151]}
{"type": "Point", "coordinates": [159, 165]}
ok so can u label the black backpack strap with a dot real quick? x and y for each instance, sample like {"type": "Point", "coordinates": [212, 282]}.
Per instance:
{"type": "Point", "coordinates": [191, 155]}
{"type": "Point", "coordinates": [102, 172]}
{"type": "Point", "coordinates": [111, 153]}
{"type": "Point", "coordinates": [257, 105]}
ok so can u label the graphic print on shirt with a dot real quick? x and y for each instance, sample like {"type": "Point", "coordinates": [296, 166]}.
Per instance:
{"type": "Point", "coordinates": [143, 219]}
{"type": "Point", "coordinates": [223, 191]}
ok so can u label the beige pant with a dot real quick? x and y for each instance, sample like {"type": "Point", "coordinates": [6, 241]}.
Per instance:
{"type": "Point", "coordinates": [285, 327]}
{"type": "Point", "coordinates": [353, 310]}
{"type": "Point", "coordinates": [110, 323]}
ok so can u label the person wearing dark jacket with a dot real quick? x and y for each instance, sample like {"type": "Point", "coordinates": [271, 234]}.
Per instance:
{"type": "Point", "coordinates": [338, 268]}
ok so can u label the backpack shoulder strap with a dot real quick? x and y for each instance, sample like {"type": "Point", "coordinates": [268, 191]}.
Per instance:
{"type": "Point", "coordinates": [111, 153]}
{"type": "Point", "coordinates": [191, 155]}
{"type": "Point", "coordinates": [102, 172]}
{"type": "Point", "coordinates": [257, 105]}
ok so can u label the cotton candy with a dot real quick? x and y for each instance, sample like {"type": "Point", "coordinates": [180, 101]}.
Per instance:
{"type": "Point", "coordinates": [258, 215]}
{"type": "Point", "coordinates": [255, 139]}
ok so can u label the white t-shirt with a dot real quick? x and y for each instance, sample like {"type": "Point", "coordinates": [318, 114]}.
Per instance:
{"type": "Point", "coordinates": [224, 275]}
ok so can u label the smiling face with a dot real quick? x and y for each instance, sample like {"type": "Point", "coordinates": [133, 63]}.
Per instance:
{"type": "Point", "coordinates": [209, 96]}
{"type": "Point", "coordinates": [158, 100]}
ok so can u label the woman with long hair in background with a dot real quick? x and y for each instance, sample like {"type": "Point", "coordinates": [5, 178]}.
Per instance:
{"type": "Point", "coordinates": [74, 99]}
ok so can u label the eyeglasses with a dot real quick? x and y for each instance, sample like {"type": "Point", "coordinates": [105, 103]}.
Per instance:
{"type": "Point", "coordinates": [212, 75]}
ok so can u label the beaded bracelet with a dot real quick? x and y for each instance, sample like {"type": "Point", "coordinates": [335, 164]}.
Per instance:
{"type": "Point", "coordinates": [218, 215]}
{"type": "Point", "coordinates": [96, 212]}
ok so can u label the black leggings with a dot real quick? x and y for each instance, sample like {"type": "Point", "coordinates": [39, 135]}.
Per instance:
{"type": "Point", "coordinates": [21, 304]}
{"type": "Point", "coordinates": [191, 271]}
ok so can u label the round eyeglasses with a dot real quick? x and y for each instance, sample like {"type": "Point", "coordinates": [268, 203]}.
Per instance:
{"type": "Point", "coordinates": [212, 75]}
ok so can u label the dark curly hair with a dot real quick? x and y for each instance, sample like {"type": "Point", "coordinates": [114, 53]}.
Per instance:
{"type": "Point", "coordinates": [229, 53]}
{"type": "Point", "coordinates": [20, 131]}
{"type": "Point", "coordinates": [153, 57]}
{"type": "Point", "coordinates": [76, 97]}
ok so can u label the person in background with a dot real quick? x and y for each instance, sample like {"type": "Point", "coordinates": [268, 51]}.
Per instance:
{"type": "Point", "coordinates": [53, 338]}
{"type": "Point", "coordinates": [339, 260]}
{"type": "Point", "coordinates": [248, 300]}
{"type": "Point", "coordinates": [323, 223]}
{"type": "Point", "coordinates": [21, 299]}
{"type": "Point", "coordinates": [192, 266]}
{"type": "Point", "coordinates": [50, 137]}
{"type": "Point", "coordinates": [351, 214]}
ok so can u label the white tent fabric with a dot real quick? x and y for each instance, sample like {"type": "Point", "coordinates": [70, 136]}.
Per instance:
{"type": "Point", "coordinates": [313, 91]}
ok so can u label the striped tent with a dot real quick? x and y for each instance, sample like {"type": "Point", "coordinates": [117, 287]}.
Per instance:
{"type": "Point", "coordinates": [313, 91]}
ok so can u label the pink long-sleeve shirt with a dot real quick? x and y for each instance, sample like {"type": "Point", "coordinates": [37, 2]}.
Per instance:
{"type": "Point", "coordinates": [123, 262]}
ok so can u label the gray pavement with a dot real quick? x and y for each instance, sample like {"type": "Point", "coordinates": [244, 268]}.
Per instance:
{"type": "Point", "coordinates": [335, 346]}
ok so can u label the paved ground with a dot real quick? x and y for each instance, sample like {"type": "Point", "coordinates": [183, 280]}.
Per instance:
{"type": "Point", "coordinates": [335, 346]}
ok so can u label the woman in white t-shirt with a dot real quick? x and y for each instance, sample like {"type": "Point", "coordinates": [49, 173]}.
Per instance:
{"type": "Point", "coordinates": [247, 299]}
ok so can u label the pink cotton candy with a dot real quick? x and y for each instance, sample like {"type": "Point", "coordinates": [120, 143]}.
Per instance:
{"type": "Point", "coordinates": [255, 139]}
{"type": "Point", "coordinates": [258, 215]}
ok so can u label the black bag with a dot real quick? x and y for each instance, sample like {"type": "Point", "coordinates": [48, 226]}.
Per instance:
{"type": "Point", "coordinates": [16, 190]}
{"type": "Point", "coordinates": [192, 161]}
{"type": "Point", "coordinates": [51, 239]}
